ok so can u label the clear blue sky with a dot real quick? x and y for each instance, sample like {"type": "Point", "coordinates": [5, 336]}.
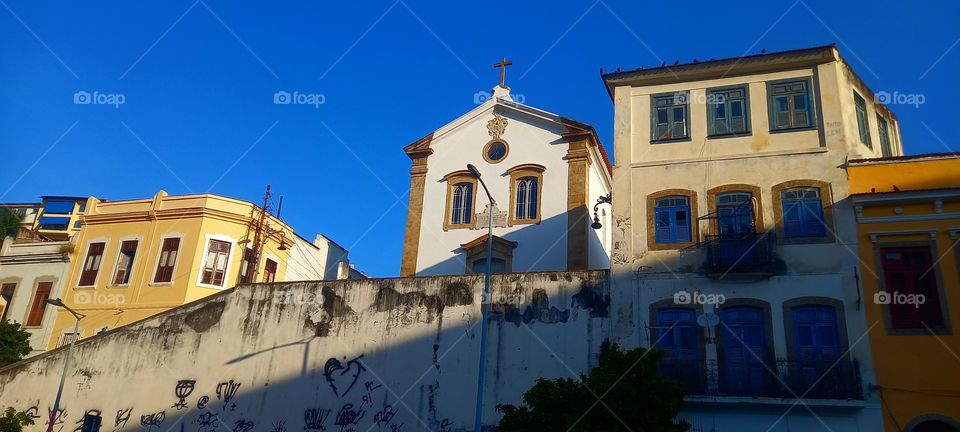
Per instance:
{"type": "Point", "coordinates": [198, 80]}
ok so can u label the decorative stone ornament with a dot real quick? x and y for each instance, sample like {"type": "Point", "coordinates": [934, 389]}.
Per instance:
{"type": "Point", "coordinates": [499, 218]}
{"type": "Point", "coordinates": [497, 126]}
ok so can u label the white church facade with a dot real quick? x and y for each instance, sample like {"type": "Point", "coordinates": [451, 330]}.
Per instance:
{"type": "Point", "coordinates": [545, 172]}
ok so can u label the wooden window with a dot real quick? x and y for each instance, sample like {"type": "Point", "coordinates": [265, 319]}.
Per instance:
{"type": "Point", "coordinates": [461, 200]}
{"type": "Point", "coordinates": [883, 129]}
{"type": "Point", "coordinates": [735, 213]}
{"type": "Point", "coordinates": [128, 251]}
{"type": "Point", "coordinates": [676, 336]}
{"type": "Point", "coordinates": [672, 220]}
{"type": "Point", "coordinates": [248, 266]}
{"type": "Point", "coordinates": [269, 270]}
{"type": "Point", "coordinates": [39, 305]}
{"type": "Point", "coordinates": [802, 213]}
{"type": "Point", "coordinates": [862, 125]}
{"type": "Point", "coordinates": [728, 111]}
{"type": "Point", "coordinates": [91, 265]}
{"type": "Point", "coordinates": [910, 282]}
{"type": "Point", "coordinates": [791, 106]}
{"type": "Point", "coordinates": [167, 260]}
{"type": "Point", "coordinates": [215, 265]}
{"type": "Point", "coordinates": [669, 121]}
{"type": "Point", "coordinates": [6, 292]}
{"type": "Point", "coordinates": [526, 192]}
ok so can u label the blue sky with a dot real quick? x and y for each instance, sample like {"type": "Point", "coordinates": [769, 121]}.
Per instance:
{"type": "Point", "coordinates": [198, 80]}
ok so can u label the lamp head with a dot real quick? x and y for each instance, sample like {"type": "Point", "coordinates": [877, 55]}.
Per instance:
{"type": "Point", "coordinates": [596, 223]}
{"type": "Point", "coordinates": [473, 171]}
{"type": "Point", "coordinates": [56, 302]}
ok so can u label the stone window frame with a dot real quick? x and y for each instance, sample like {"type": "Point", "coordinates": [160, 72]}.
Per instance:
{"type": "Point", "coordinates": [519, 172]}
{"type": "Point", "coordinates": [691, 197]}
{"type": "Point", "coordinates": [769, 348]}
{"type": "Point", "coordinates": [486, 148]}
{"type": "Point", "coordinates": [669, 303]}
{"type": "Point", "coordinates": [477, 249]}
{"type": "Point", "coordinates": [756, 194]}
{"type": "Point", "coordinates": [826, 200]}
{"type": "Point", "coordinates": [837, 306]}
{"type": "Point", "coordinates": [453, 179]}
{"type": "Point", "coordinates": [947, 328]}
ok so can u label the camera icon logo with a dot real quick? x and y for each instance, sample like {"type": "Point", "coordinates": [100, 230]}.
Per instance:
{"type": "Point", "coordinates": [82, 298]}
{"type": "Point", "coordinates": [282, 98]}
{"type": "Point", "coordinates": [882, 97]}
{"type": "Point", "coordinates": [82, 98]}
{"type": "Point", "coordinates": [882, 298]}
{"type": "Point", "coordinates": [682, 297]}
{"type": "Point", "coordinates": [481, 97]}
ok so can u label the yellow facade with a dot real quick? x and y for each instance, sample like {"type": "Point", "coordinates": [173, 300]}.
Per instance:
{"type": "Point", "coordinates": [908, 221]}
{"type": "Point", "coordinates": [200, 222]}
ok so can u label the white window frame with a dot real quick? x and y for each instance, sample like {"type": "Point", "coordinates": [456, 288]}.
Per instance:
{"type": "Point", "coordinates": [227, 273]}
{"type": "Point", "coordinates": [176, 262]}
{"type": "Point", "coordinates": [116, 262]}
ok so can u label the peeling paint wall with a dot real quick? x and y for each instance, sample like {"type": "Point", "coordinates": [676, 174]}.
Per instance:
{"type": "Point", "coordinates": [373, 354]}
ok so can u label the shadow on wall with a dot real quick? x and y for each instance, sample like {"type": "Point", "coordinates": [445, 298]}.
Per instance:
{"type": "Point", "coordinates": [365, 355]}
{"type": "Point", "coordinates": [540, 247]}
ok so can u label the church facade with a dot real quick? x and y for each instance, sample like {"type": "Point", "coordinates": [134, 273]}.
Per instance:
{"type": "Point", "coordinates": [545, 172]}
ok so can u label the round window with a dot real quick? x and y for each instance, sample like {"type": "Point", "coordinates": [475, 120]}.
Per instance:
{"type": "Point", "coordinates": [495, 151]}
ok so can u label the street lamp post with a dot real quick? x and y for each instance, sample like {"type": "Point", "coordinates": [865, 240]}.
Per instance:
{"type": "Point", "coordinates": [485, 299]}
{"type": "Point", "coordinates": [66, 362]}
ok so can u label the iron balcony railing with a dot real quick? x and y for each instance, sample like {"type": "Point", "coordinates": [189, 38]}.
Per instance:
{"type": "Point", "coordinates": [824, 379]}
{"type": "Point", "coordinates": [740, 253]}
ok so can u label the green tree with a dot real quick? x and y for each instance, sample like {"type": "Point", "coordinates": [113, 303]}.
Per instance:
{"type": "Point", "coordinates": [634, 394]}
{"type": "Point", "coordinates": [14, 421]}
{"type": "Point", "coordinates": [14, 343]}
{"type": "Point", "coordinates": [9, 224]}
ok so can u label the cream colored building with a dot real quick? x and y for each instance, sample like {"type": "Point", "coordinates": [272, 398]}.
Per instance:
{"type": "Point", "coordinates": [734, 246]}
{"type": "Point", "coordinates": [32, 271]}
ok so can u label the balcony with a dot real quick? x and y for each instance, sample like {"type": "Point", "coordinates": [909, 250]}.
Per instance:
{"type": "Point", "coordinates": [740, 255]}
{"type": "Point", "coordinates": [825, 380]}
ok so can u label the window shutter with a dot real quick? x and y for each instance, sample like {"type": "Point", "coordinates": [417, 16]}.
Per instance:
{"type": "Point", "coordinates": [92, 264]}
{"type": "Point", "coordinates": [39, 306]}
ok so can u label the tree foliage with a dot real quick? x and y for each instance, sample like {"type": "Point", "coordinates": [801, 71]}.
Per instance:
{"type": "Point", "coordinates": [635, 396]}
{"type": "Point", "coordinates": [9, 223]}
{"type": "Point", "coordinates": [14, 421]}
{"type": "Point", "coordinates": [14, 343]}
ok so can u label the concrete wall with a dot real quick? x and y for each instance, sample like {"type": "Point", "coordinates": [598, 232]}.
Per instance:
{"type": "Point", "coordinates": [313, 356]}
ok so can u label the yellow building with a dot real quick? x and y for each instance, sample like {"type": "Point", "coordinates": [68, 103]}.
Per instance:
{"type": "Point", "coordinates": [908, 220]}
{"type": "Point", "coordinates": [136, 258]}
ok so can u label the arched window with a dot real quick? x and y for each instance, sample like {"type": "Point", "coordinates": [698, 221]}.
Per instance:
{"type": "Point", "coordinates": [526, 188]}
{"type": "Point", "coordinates": [676, 333]}
{"type": "Point", "coordinates": [802, 212]}
{"type": "Point", "coordinates": [744, 350]}
{"type": "Point", "coordinates": [526, 205]}
{"type": "Point", "coordinates": [462, 209]}
{"type": "Point", "coordinates": [673, 219]}
{"type": "Point", "coordinates": [735, 213]}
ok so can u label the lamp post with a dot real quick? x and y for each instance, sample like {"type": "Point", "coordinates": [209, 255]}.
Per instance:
{"type": "Point", "coordinates": [485, 299]}
{"type": "Point", "coordinates": [66, 362]}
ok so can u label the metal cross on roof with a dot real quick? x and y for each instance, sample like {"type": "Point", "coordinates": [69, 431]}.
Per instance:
{"type": "Point", "coordinates": [503, 69]}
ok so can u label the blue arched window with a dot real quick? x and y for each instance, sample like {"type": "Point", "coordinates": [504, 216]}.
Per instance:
{"type": "Point", "coordinates": [735, 213]}
{"type": "Point", "coordinates": [461, 211]}
{"type": "Point", "coordinates": [526, 207]}
{"type": "Point", "coordinates": [673, 219]}
{"type": "Point", "coordinates": [803, 212]}
{"type": "Point", "coordinates": [745, 370]}
{"type": "Point", "coordinates": [676, 336]}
